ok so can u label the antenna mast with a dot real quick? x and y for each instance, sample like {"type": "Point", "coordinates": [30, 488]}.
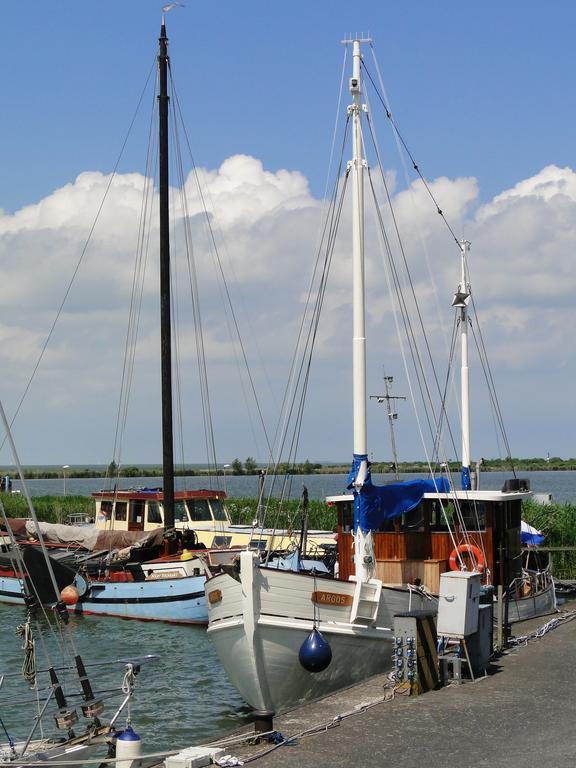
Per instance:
{"type": "Point", "coordinates": [392, 415]}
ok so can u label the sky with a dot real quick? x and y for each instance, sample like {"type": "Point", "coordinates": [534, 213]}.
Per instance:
{"type": "Point", "coordinates": [483, 96]}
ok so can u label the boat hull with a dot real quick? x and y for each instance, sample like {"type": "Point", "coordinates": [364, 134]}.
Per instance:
{"type": "Point", "coordinates": [539, 603]}
{"type": "Point", "coordinates": [180, 601]}
{"type": "Point", "coordinates": [282, 682]}
{"type": "Point", "coordinates": [259, 622]}
{"type": "Point", "coordinates": [11, 590]}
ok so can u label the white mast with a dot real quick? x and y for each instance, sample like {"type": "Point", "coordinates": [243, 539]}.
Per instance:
{"type": "Point", "coordinates": [461, 300]}
{"type": "Point", "coordinates": [363, 558]}
{"type": "Point", "coordinates": [359, 331]}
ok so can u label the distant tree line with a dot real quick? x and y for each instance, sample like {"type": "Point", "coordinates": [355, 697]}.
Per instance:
{"type": "Point", "coordinates": [250, 467]}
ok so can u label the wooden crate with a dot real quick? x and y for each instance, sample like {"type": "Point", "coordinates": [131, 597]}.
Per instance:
{"type": "Point", "coordinates": [404, 571]}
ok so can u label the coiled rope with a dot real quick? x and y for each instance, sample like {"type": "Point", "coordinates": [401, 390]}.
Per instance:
{"type": "Point", "coordinates": [28, 646]}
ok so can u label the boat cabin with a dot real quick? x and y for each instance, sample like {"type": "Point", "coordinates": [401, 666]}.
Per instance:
{"type": "Point", "coordinates": [444, 531]}
{"type": "Point", "coordinates": [142, 509]}
{"type": "Point", "coordinates": [202, 511]}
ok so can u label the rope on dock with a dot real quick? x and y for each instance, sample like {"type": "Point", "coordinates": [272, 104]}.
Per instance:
{"type": "Point", "coordinates": [390, 695]}
{"type": "Point", "coordinates": [543, 630]}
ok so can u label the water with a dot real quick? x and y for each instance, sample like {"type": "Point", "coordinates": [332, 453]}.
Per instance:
{"type": "Point", "coordinates": [562, 485]}
{"type": "Point", "coordinates": [183, 698]}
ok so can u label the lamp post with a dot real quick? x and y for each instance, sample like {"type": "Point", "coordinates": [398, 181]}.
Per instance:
{"type": "Point", "coordinates": [64, 468]}
{"type": "Point", "coordinates": [226, 466]}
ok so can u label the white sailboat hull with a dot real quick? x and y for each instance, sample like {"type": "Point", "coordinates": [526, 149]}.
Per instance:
{"type": "Point", "coordinates": [74, 752]}
{"type": "Point", "coordinates": [259, 623]}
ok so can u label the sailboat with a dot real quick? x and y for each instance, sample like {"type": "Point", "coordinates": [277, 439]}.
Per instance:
{"type": "Point", "coordinates": [199, 535]}
{"type": "Point", "coordinates": [169, 587]}
{"type": "Point", "coordinates": [394, 542]}
{"type": "Point", "coordinates": [259, 617]}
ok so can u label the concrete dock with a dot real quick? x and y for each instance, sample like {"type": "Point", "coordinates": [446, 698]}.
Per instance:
{"type": "Point", "coordinates": [523, 714]}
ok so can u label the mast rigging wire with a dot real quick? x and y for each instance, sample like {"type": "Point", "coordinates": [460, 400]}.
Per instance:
{"type": "Point", "coordinates": [227, 293]}
{"type": "Point", "coordinates": [412, 160]}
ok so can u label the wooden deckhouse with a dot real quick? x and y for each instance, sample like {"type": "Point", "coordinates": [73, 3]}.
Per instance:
{"type": "Point", "coordinates": [421, 544]}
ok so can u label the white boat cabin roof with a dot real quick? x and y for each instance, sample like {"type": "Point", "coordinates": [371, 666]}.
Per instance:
{"type": "Point", "coordinates": [487, 495]}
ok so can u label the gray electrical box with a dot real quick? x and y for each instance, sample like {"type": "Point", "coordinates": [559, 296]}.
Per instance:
{"type": "Point", "coordinates": [458, 603]}
{"type": "Point", "coordinates": [480, 643]}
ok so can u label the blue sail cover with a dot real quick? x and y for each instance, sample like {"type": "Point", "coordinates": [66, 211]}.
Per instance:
{"type": "Point", "coordinates": [374, 504]}
{"type": "Point", "coordinates": [466, 482]}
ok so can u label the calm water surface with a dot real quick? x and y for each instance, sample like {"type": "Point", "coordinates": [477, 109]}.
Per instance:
{"type": "Point", "coordinates": [562, 485]}
{"type": "Point", "coordinates": [181, 699]}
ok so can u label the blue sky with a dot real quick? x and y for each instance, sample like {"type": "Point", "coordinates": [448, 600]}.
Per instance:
{"type": "Point", "coordinates": [478, 88]}
{"type": "Point", "coordinates": [480, 91]}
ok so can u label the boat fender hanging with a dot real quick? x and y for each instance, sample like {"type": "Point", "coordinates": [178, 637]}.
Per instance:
{"type": "Point", "coordinates": [315, 653]}
{"type": "Point", "coordinates": [466, 549]}
{"type": "Point", "coordinates": [128, 748]}
{"type": "Point", "coordinates": [69, 595]}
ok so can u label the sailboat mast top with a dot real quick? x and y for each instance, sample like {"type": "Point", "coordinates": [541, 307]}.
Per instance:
{"type": "Point", "coordinates": [461, 302]}
{"type": "Point", "coordinates": [356, 167]}
{"type": "Point", "coordinates": [165, 301]}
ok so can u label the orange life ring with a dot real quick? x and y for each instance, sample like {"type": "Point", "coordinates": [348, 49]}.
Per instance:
{"type": "Point", "coordinates": [466, 549]}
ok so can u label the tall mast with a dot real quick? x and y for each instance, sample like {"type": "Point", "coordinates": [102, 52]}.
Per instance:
{"type": "Point", "coordinates": [359, 330]}
{"type": "Point", "coordinates": [461, 300]}
{"type": "Point", "coordinates": [165, 319]}
{"type": "Point", "coordinates": [363, 559]}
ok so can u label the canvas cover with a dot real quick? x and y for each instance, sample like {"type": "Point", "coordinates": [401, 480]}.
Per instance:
{"type": "Point", "coordinates": [374, 504]}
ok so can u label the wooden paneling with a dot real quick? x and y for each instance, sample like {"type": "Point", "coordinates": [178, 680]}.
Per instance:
{"type": "Point", "coordinates": [420, 545]}
{"type": "Point", "coordinates": [345, 555]}
{"type": "Point", "coordinates": [409, 571]}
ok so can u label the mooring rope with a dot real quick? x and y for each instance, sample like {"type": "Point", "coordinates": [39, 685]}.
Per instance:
{"type": "Point", "coordinates": [28, 646]}
{"type": "Point", "coordinates": [543, 630]}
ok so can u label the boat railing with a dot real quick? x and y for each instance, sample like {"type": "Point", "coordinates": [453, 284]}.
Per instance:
{"type": "Point", "coordinates": [531, 582]}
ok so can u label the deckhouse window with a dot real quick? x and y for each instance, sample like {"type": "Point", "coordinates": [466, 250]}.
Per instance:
{"type": "Point", "coordinates": [120, 510]}
{"type": "Point", "coordinates": [136, 511]}
{"type": "Point", "coordinates": [154, 512]}
{"type": "Point", "coordinates": [180, 515]}
{"type": "Point", "coordinates": [105, 510]}
{"type": "Point", "coordinates": [199, 510]}
{"type": "Point", "coordinates": [474, 515]}
{"type": "Point", "coordinates": [218, 510]}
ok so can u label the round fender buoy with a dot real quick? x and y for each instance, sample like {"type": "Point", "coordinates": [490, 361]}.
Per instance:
{"type": "Point", "coordinates": [69, 595]}
{"type": "Point", "coordinates": [315, 653]}
{"type": "Point", "coordinates": [128, 748]}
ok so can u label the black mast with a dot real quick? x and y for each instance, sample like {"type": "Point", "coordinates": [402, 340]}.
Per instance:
{"type": "Point", "coordinates": [165, 320]}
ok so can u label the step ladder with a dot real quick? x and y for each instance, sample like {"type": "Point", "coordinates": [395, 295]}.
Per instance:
{"type": "Point", "coordinates": [366, 602]}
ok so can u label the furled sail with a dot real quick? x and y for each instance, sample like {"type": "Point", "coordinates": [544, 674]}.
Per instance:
{"type": "Point", "coordinates": [374, 504]}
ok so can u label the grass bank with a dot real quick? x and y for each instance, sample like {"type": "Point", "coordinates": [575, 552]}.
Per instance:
{"type": "Point", "coordinates": [558, 524]}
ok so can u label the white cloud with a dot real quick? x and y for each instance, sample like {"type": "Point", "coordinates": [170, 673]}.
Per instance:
{"type": "Point", "coordinates": [267, 226]}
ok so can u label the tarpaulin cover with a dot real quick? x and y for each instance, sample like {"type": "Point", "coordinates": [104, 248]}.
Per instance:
{"type": "Point", "coordinates": [374, 504]}
{"type": "Point", "coordinates": [466, 481]}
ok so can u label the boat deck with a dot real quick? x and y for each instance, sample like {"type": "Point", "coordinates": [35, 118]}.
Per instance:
{"type": "Point", "coordinates": [520, 715]}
